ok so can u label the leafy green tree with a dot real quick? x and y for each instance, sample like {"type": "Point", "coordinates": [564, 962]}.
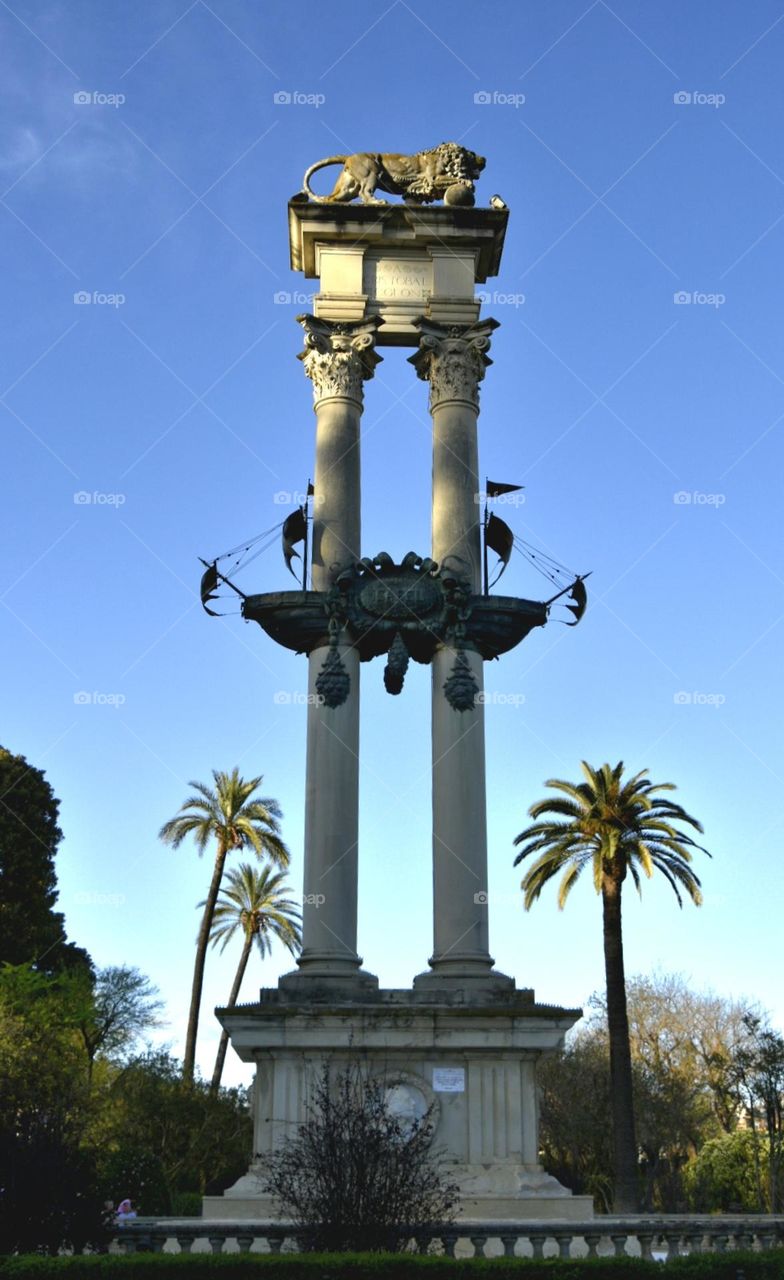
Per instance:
{"type": "Point", "coordinates": [200, 1140]}
{"type": "Point", "coordinates": [49, 1197]}
{"type": "Point", "coordinates": [31, 930]}
{"type": "Point", "coordinates": [254, 902]}
{"type": "Point", "coordinates": [759, 1070]}
{"type": "Point", "coordinates": [119, 1007]}
{"type": "Point", "coordinates": [617, 828]}
{"type": "Point", "coordinates": [723, 1176]}
{"type": "Point", "coordinates": [229, 814]}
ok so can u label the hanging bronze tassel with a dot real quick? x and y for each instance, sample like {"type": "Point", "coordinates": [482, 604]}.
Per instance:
{"type": "Point", "coordinates": [333, 681]}
{"type": "Point", "coordinates": [397, 665]}
{"type": "Point", "coordinates": [460, 687]}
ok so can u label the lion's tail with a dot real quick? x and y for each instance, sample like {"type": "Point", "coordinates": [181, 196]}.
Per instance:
{"type": "Point", "coordinates": [320, 164]}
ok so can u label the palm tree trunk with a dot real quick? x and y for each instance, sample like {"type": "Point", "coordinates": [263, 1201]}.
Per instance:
{"type": "Point", "coordinates": [235, 991]}
{"type": "Point", "coordinates": [198, 967]}
{"type": "Point", "coordinates": [626, 1198]}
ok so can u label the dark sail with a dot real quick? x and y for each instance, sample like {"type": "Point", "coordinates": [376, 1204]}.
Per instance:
{"type": "Point", "coordinates": [295, 529]}
{"type": "Point", "coordinates": [500, 539]}
{"type": "Point", "coordinates": [209, 587]}
{"type": "Point", "coordinates": [579, 594]}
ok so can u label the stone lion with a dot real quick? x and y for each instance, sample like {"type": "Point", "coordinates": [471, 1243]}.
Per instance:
{"type": "Point", "coordinates": [447, 171]}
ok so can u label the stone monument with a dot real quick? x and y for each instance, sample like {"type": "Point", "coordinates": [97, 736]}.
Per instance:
{"type": "Point", "coordinates": [463, 1039]}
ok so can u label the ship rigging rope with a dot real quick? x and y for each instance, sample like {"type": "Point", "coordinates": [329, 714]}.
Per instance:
{"type": "Point", "coordinates": [241, 562]}
{"type": "Point", "coordinates": [548, 566]}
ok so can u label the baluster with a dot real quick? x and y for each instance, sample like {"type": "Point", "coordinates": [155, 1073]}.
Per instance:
{"type": "Point", "coordinates": [619, 1244]}
{"type": "Point", "coordinates": [673, 1239]}
{"type": "Point", "coordinates": [509, 1243]}
{"type": "Point", "coordinates": [719, 1241]}
{"type": "Point", "coordinates": [694, 1241]}
{"type": "Point", "coordinates": [157, 1241]}
{"type": "Point", "coordinates": [216, 1243]}
{"type": "Point", "coordinates": [646, 1239]}
{"type": "Point", "coordinates": [244, 1242]}
{"type": "Point", "coordinates": [479, 1245]}
{"type": "Point", "coordinates": [275, 1240]}
{"type": "Point", "coordinates": [185, 1243]}
{"type": "Point", "coordinates": [592, 1239]}
{"type": "Point", "coordinates": [564, 1243]}
{"type": "Point", "coordinates": [537, 1243]}
{"type": "Point", "coordinates": [449, 1240]}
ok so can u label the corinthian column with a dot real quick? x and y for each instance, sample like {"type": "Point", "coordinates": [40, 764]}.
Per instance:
{"type": "Point", "coordinates": [337, 359]}
{"type": "Point", "coordinates": [453, 360]}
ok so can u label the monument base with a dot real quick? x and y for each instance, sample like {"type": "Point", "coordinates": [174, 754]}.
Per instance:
{"type": "Point", "coordinates": [468, 1052]}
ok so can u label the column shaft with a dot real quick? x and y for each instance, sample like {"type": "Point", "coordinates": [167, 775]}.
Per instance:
{"type": "Point", "coordinates": [337, 359]}
{"type": "Point", "coordinates": [453, 360]}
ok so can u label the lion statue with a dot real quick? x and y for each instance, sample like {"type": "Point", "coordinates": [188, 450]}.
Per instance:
{"type": "Point", "coordinates": [447, 171]}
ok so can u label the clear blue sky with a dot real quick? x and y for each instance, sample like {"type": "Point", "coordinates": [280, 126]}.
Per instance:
{"type": "Point", "coordinates": [606, 399]}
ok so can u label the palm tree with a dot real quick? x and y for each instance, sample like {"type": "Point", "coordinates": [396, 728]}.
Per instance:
{"type": "Point", "coordinates": [618, 828]}
{"type": "Point", "coordinates": [227, 814]}
{"type": "Point", "coordinates": [255, 902]}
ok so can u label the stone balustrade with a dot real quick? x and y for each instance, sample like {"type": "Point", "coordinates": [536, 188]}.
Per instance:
{"type": "Point", "coordinates": [659, 1237]}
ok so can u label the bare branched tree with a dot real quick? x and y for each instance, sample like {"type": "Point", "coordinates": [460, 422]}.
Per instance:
{"type": "Point", "coordinates": [355, 1176]}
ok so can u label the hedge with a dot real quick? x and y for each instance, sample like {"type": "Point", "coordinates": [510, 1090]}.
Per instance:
{"type": "Point", "coordinates": [726, 1266]}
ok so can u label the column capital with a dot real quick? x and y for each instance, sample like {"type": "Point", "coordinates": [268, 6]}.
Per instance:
{"type": "Point", "coordinates": [453, 359]}
{"type": "Point", "coordinates": [338, 356]}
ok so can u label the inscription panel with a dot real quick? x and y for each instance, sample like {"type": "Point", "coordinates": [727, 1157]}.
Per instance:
{"type": "Point", "coordinates": [397, 279]}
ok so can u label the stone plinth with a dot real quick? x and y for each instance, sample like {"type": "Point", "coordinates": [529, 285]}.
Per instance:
{"type": "Point", "coordinates": [397, 262]}
{"type": "Point", "coordinates": [472, 1055]}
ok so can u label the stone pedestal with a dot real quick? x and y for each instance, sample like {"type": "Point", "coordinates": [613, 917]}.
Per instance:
{"type": "Point", "coordinates": [473, 1057]}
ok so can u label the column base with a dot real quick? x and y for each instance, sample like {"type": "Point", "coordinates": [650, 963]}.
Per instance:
{"type": "Point", "coordinates": [324, 978]}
